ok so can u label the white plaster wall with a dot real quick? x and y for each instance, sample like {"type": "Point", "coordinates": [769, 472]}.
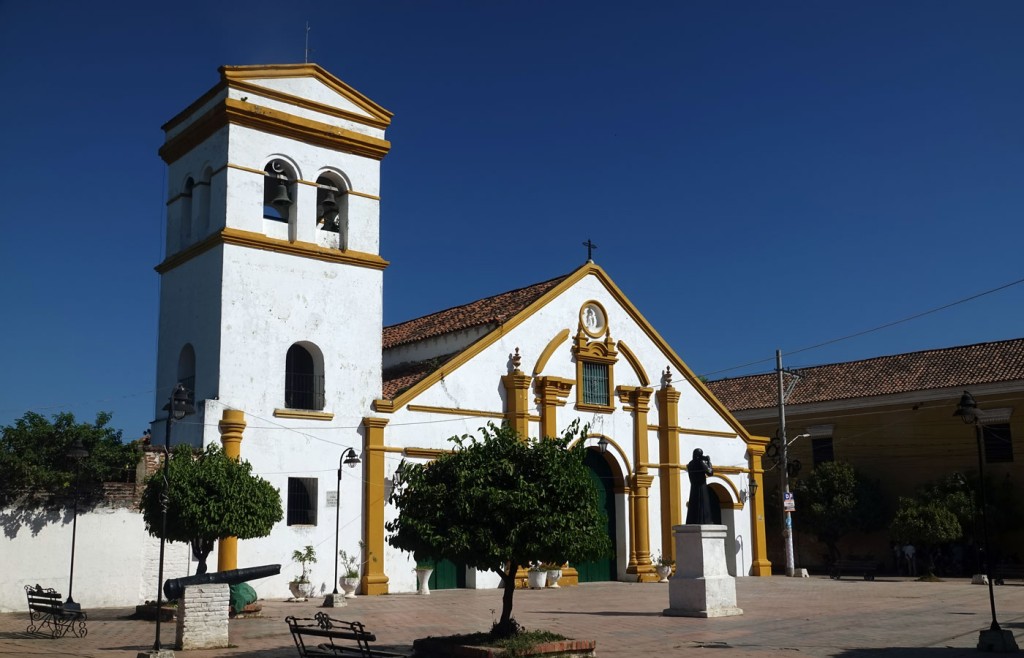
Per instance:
{"type": "Point", "coordinates": [448, 343]}
{"type": "Point", "coordinates": [115, 560]}
{"type": "Point", "coordinates": [313, 90]}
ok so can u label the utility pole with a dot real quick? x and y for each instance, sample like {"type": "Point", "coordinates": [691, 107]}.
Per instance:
{"type": "Point", "coordinates": [787, 518]}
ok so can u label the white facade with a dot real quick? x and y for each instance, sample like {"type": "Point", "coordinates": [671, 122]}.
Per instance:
{"type": "Point", "coordinates": [241, 287]}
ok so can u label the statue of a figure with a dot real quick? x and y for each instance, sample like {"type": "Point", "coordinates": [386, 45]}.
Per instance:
{"type": "Point", "coordinates": [699, 511]}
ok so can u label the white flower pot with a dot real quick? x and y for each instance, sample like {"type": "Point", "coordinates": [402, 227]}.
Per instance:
{"type": "Point", "coordinates": [536, 579]}
{"type": "Point", "coordinates": [300, 590]}
{"type": "Point", "coordinates": [349, 585]}
{"type": "Point", "coordinates": [553, 576]}
{"type": "Point", "coordinates": [423, 579]}
{"type": "Point", "coordinates": [664, 571]}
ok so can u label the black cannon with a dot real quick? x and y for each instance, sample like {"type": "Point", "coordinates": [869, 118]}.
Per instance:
{"type": "Point", "coordinates": [175, 587]}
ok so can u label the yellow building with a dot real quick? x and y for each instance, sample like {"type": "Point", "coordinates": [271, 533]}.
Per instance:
{"type": "Point", "coordinates": [892, 418]}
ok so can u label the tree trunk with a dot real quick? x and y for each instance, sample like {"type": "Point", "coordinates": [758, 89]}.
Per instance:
{"type": "Point", "coordinates": [201, 548]}
{"type": "Point", "coordinates": [505, 627]}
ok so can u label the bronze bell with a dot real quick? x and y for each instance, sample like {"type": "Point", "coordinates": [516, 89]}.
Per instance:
{"type": "Point", "coordinates": [329, 203]}
{"type": "Point", "coordinates": [282, 202]}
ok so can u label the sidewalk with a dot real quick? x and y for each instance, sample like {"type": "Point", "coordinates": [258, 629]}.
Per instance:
{"type": "Point", "coordinates": [782, 617]}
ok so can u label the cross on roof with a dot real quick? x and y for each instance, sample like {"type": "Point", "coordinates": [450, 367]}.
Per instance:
{"type": "Point", "coordinates": [590, 250]}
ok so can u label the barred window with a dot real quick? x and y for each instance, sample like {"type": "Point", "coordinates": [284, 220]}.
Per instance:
{"type": "Point", "coordinates": [998, 442]}
{"type": "Point", "coordinates": [595, 384]}
{"type": "Point", "coordinates": [302, 501]}
{"type": "Point", "coordinates": [822, 450]}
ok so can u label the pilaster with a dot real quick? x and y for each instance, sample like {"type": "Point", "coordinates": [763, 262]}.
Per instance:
{"type": "Point", "coordinates": [231, 426]}
{"type": "Point", "coordinates": [637, 399]}
{"type": "Point", "coordinates": [760, 565]}
{"type": "Point", "coordinates": [374, 579]}
{"type": "Point", "coordinates": [517, 409]}
{"type": "Point", "coordinates": [551, 394]}
{"type": "Point", "coordinates": [668, 457]}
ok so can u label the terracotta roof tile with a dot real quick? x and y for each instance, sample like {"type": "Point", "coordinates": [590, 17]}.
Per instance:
{"type": "Point", "coordinates": [966, 365]}
{"type": "Point", "coordinates": [490, 310]}
{"type": "Point", "coordinates": [400, 378]}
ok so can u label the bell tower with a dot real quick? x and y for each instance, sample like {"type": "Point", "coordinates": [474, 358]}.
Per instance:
{"type": "Point", "coordinates": [271, 285]}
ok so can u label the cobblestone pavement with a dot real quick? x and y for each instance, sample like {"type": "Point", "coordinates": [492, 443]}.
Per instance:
{"type": "Point", "coordinates": [790, 617]}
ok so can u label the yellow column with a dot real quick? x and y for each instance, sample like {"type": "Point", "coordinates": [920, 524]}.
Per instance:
{"type": "Point", "coordinates": [231, 426]}
{"type": "Point", "coordinates": [669, 469]}
{"type": "Point", "coordinates": [551, 394]}
{"type": "Point", "coordinates": [760, 566]}
{"type": "Point", "coordinates": [637, 399]}
{"type": "Point", "coordinates": [517, 410]}
{"type": "Point", "coordinates": [374, 579]}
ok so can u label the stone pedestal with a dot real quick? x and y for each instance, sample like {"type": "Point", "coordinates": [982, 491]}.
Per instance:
{"type": "Point", "coordinates": [203, 617]}
{"type": "Point", "coordinates": [702, 586]}
{"type": "Point", "coordinates": [335, 601]}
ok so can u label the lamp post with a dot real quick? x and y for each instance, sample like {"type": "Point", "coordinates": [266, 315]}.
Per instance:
{"type": "Point", "coordinates": [348, 458]}
{"type": "Point", "coordinates": [994, 638]}
{"type": "Point", "coordinates": [77, 452]}
{"type": "Point", "coordinates": [179, 406]}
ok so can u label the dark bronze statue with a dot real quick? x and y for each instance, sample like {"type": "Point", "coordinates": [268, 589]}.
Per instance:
{"type": "Point", "coordinates": [699, 511]}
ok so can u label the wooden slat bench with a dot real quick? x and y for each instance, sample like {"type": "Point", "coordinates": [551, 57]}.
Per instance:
{"type": "Point", "coordinates": [45, 610]}
{"type": "Point", "coordinates": [326, 636]}
{"type": "Point", "coordinates": [1004, 572]}
{"type": "Point", "coordinates": [866, 568]}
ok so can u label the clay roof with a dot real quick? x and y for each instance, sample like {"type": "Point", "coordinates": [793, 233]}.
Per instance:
{"type": "Point", "coordinates": [983, 363]}
{"type": "Point", "coordinates": [490, 310]}
{"type": "Point", "coordinates": [398, 379]}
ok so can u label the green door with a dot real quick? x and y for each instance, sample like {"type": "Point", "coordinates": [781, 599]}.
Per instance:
{"type": "Point", "coordinates": [601, 474]}
{"type": "Point", "coordinates": [447, 575]}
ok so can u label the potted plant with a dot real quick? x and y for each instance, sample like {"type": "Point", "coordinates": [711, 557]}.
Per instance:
{"type": "Point", "coordinates": [300, 585]}
{"type": "Point", "coordinates": [350, 565]}
{"type": "Point", "coordinates": [664, 568]}
{"type": "Point", "coordinates": [554, 572]}
{"type": "Point", "coordinates": [537, 575]}
{"type": "Point", "coordinates": [424, 568]}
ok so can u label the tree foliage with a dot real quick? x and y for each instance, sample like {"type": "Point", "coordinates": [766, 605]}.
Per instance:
{"type": "Point", "coordinates": [498, 502]}
{"type": "Point", "coordinates": [209, 496]}
{"type": "Point", "coordinates": [36, 473]}
{"type": "Point", "coordinates": [926, 523]}
{"type": "Point", "coordinates": [835, 500]}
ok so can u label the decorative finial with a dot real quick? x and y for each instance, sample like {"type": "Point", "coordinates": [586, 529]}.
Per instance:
{"type": "Point", "coordinates": [516, 359]}
{"type": "Point", "coordinates": [666, 377]}
{"type": "Point", "coordinates": [590, 250]}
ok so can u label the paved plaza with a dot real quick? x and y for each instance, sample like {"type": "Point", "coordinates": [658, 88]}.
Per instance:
{"type": "Point", "coordinates": [782, 617]}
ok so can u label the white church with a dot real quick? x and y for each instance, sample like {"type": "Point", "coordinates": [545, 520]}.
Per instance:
{"type": "Point", "coordinates": [271, 313]}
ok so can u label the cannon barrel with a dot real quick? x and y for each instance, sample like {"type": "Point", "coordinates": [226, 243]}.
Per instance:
{"type": "Point", "coordinates": [175, 587]}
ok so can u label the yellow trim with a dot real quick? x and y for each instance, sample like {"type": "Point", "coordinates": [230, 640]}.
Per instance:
{"type": "Point", "coordinates": [241, 113]}
{"type": "Point", "coordinates": [233, 74]}
{"type": "Point", "coordinates": [635, 363]}
{"type": "Point", "coordinates": [727, 481]}
{"type": "Point", "coordinates": [260, 172]}
{"type": "Point", "coordinates": [551, 393]}
{"type": "Point", "coordinates": [456, 412]}
{"type": "Point", "coordinates": [552, 345]}
{"type": "Point", "coordinates": [612, 444]}
{"type": "Point", "coordinates": [601, 352]}
{"type": "Point", "coordinates": [724, 435]}
{"type": "Point", "coordinates": [374, 581]}
{"type": "Point", "coordinates": [238, 237]}
{"type": "Point", "coordinates": [231, 427]}
{"type": "Point", "coordinates": [306, 415]}
{"type": "Point", "coordinates": [284, 97]}
{"type": "Point", "coordinates": [424, 453]}
{"type": "Point", "coordinates": [517, 410]}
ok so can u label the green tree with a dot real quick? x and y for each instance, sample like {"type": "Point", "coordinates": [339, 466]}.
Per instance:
{"type": "Point", "coordinates": [497, 503]}
{"type": "Point", "coordinates": [37, 474]}
{"type": "Point", "coordinates": [210, 496]}
{"type": "Point", "coordinates": [835, 500]}
{"type": "Point", "coordinates": [926, 523]}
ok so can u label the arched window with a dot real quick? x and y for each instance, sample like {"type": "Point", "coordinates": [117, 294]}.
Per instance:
{"type": "Point", "coordinates": [185, 214]}
{"type": "Point", "coordinates": [187, 370]}
{"type": "Point", "coordinates": [202, 204]}
{"type": "Point", "coordinates": [278, 191]}
{"type": "Point", "coordinates": [332, 207]}
{"type": "Point", "coordinates": [304, 378]}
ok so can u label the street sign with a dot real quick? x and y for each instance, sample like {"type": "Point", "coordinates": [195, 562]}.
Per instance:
{"type": "Point", "coordinates": [788, 502]}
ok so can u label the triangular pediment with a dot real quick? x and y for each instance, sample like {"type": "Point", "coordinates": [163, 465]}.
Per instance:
{"type": "Point", "coordinates": [307, 85]}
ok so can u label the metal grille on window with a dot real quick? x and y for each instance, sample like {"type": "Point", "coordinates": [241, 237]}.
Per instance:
{"type": "Point", "coordinates": [595, 383]}
{"type": "Point", "coordinates": [998, 442]}
{"type": "Point", "coordinates": [302, 501]}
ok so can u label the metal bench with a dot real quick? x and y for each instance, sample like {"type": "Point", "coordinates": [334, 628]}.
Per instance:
{"type": "Point", "coordinates": [343, 638]}
{"type": "Point", "coordinates": [1004, 572]}
{"type": "Point", "coordinates": [45, 610]}
{"type": "Point", "coordinates": [866, 568]}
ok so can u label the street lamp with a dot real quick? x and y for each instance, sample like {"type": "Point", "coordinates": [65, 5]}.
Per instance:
{"type": "Point", "coordinates": [994, 638]}
{"type": "Point", "coordinates": [348, 458]}
{"type": "Point", "coordinates": [179, 406]}
{"type": "Point", "coordinates": [76, 452]}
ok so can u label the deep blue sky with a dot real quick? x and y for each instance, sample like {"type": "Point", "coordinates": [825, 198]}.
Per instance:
{"type": "Point", "coordinates": [757, 175]}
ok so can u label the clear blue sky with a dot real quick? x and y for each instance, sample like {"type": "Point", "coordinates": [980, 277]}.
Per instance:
{"type": "Point", "coordinates": [757, 175]}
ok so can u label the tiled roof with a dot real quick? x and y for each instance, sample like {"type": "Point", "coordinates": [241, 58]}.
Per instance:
{"type": "Point", "coordinates": [983, 363]}
{"type": "Point", "coordinates": [490, 310]}
{"type": "Point", "coordinates": [399, 378]}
